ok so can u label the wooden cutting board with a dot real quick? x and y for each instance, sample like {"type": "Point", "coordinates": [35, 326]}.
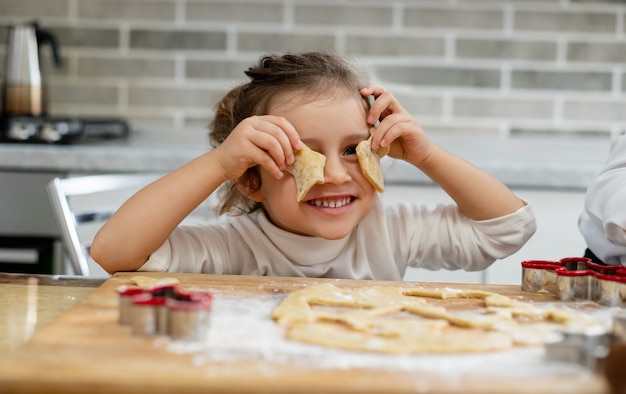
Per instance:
{"type": "Point", "coordinates": [86, 350]}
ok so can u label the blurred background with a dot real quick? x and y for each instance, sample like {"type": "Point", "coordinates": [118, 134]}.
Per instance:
{"type": "Point", "coordinates": [531, 91]}
{"type": "Point", "coordinates": [498, 68]}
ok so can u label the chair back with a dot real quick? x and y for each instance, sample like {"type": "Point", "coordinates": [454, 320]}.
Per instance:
{"type": "Point", "coordinates": [82, 204]}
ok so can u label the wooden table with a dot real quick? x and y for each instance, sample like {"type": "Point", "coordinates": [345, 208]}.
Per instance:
{"type": "Point", "coordinates": [28, 303]}
{"type": "Point", "coordinates": [86, 350]}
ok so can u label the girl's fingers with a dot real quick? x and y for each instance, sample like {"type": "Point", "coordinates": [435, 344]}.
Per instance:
{"type": "Point", "coordinates": [381, 135]}
{"type": "Point", "coordinates": [262, 149]}
{"type": "Point", "coordinates": [397, 128]}
{"type": "Point", "coordinates": [286, 134]}
{"type": "Point", "coordinates": [277, 137]}
{"type": "Point", "coordinates": [372, 90]}
{"type": "Point", "coordinates": [266, 161]}
{"type": "Point", "coordinates": [379, 109]}
{"type": "Point", "coordinates": [392, 128]}
{"type": "Point", "coordinates": [271, 139]}
{"type": "Point", "coordinates": [384, 103]}
{"type": "Point", "coordinates": [259, 141]}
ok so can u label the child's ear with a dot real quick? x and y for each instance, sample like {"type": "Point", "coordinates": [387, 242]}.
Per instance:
{"type": "Point", "coordinates": [250, 186]}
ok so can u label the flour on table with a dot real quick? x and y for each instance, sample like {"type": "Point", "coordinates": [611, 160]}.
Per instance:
{"type": "Point", "coordinates": [242, 329]}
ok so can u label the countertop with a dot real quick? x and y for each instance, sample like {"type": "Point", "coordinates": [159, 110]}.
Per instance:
{"type": "Point", "coordinates": [135, 154]}
{"type": "Point", "coordinates": [542, 162]}
{"type": "Point", "coordinates": [87, 350]}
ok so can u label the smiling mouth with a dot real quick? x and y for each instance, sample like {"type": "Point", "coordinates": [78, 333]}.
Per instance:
{"type": "Point", "coordinates": [330, 202]}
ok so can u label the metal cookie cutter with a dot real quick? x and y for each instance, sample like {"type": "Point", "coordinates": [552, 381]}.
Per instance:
{"type": "Point", "coordinates": [588, 349]}
{"type": "Point", "coordinates": [611, 289]}
{"type": "Point", "coordinates": [539, 276]}
{"type": "Point", "coordinates": [574, 285]}
{"type": "Point", "coordinates": [576, 278]}
{"type": "Point", "coordinates": [189, 316]}
{"type": "Point", "coordinates": [165, 310]}
{"type": "Point", "coordinates": [580, 278]}
{"type": "Point", "coordinates": [131, 297]}
{"type": "Point", "coordinates": [585, 279]}
{"type": "Point", "coordinates": [149, 315]}
{"type": "Point", "coordinates": [126, 295]}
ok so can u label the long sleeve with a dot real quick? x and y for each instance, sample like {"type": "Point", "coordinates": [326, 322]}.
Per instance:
{"type": "Point", "coordinates": [603, 221]}
{"type": "Point", "coordinates": [444, 238]}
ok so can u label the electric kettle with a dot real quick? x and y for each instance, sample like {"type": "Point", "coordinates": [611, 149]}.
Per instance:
{"type": "Point", "coordinates": [24, 89]}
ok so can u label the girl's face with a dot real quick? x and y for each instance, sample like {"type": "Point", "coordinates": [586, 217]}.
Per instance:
{"type": "Point", "coordinates": [332, 126]}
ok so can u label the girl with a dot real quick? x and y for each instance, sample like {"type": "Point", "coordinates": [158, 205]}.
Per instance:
{"type": "Point", "coordinates": [341, 229]}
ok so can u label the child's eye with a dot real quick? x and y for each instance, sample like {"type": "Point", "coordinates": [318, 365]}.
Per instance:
{"type": "Point", "coordinates": [351, 150]}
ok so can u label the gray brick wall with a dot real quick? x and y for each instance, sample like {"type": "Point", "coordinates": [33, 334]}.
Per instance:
{"type": "Point", "coordinates": [505, 68]}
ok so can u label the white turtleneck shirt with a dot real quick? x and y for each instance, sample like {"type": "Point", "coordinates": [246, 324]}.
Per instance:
{"type": "Point", "coordinates": [387, 241]}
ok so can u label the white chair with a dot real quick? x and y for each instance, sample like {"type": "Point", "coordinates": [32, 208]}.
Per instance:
{"type": "Point", "coordinates": [82, 204]}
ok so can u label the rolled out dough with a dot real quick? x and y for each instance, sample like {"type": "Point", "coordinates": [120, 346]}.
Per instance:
{"type": "Point", "coordinates": [391, 319]}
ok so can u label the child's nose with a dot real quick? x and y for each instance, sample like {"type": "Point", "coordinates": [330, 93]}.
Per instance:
{"type": "Point", "coordinates": [335, 171]}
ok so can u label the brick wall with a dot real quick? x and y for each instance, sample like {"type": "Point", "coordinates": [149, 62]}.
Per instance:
{"type": "Point", "coordinates": [504, 68]}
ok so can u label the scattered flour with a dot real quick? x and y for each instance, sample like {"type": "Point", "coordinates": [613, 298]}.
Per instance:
{"type": "Point", "coordinates": [242, 329]}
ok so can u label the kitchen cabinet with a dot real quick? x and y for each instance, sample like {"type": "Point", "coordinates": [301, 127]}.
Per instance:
{"type": "Point", "coordinates": [25, 209]}
{"type": "Point", "coordinates": [28, 231]}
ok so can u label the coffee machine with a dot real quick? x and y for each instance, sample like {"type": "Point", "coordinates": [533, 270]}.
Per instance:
{"type": "Point", "coordinates": [24, 117]}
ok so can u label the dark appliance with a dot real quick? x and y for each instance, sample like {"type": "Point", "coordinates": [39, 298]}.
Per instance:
{"type": "Point", "coordinates": [60, 130]}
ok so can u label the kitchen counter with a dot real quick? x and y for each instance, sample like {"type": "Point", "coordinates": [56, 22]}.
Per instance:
{"type": "Point", "coordinates": [521, 162]}
{"type": "Point", "coordinates": [135, 154]}
{"type": "Point", "coordinates": [550, 162]}
{"type": "Point", "coordinates": [87, 350]}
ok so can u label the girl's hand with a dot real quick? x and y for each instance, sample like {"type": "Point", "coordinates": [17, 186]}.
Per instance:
{"type": "Point", "coordinates": [397, 128]}
{"type": "Point", "coordinates": [268, 141]}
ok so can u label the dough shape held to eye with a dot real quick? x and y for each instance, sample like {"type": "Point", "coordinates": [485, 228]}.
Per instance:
{"type": "Point", "coordinates": [308, 169]}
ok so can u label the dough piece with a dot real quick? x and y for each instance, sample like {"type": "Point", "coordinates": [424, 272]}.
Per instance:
{"type": "Point", "coordinates": [400, 337]}
{"type": "Point", "coordinates": [445, 293]}
{"type": "Point", "coordinates": [146, 282]}
{"type": "Point", "coordinates": [308, 169]}
{"type": "Point", "coordinates": [372, 319]}
{"type": "Point", "coordinates": [370, 163]}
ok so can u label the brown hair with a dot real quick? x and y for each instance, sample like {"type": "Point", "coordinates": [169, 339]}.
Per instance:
{"type": "Point", "coordinates": [312, 74]}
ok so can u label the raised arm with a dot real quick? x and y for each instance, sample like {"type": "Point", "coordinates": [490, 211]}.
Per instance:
{"type": "Point", "coordinates": [144, 222]}
{"type": "Point", "coordinates": [478, 195]}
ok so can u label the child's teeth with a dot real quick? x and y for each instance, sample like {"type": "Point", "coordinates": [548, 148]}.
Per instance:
{"type": "Point", "coordinates": [331, 203]}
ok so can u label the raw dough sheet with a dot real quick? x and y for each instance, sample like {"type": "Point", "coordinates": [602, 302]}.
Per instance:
{"type": "Point", "coordinates": [242, 329]}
